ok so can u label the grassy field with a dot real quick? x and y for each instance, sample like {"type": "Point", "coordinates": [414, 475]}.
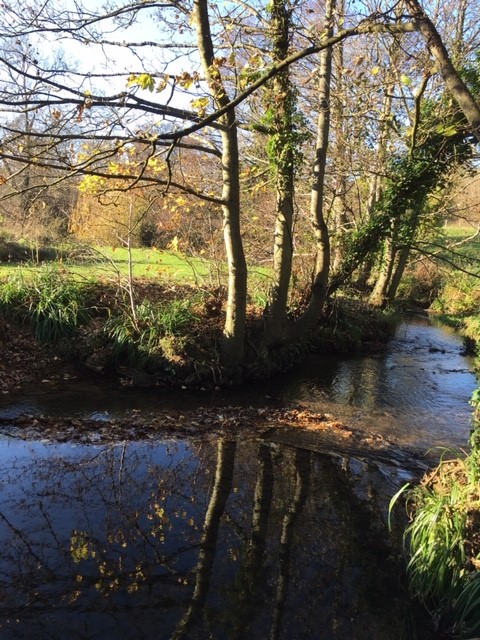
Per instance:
{"type": "Point", "coordinates": [111, 263]}
{"type": "Point", "coordinates": [463, 241]}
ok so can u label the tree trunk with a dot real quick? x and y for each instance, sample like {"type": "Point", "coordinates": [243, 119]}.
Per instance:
{"type": "Point", "coordinates": [454, 83]}
{"type": "Point", "coordinates": [378, 297]}
{"type": "Point", "coordinates": [283, 159]}
{"type": "Point", "coordinates": [322, 260]}
{"type": "Point", "coordinates": [339, 206]}
{"type": "Point", "coordinates": [234, 328]}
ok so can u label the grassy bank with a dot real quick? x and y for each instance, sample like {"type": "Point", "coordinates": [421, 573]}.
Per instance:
{"type": "Point", "coordinates": [442, 540]}
{"type": "Point", "coordinates": [150, 333]}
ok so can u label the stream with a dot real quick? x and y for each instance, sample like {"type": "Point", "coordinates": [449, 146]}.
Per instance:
{"type": "Point", "coordinates": [218, 538]}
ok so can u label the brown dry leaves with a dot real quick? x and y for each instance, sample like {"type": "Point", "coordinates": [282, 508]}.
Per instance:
{"type": "Point", "coordinates": [137, 425]}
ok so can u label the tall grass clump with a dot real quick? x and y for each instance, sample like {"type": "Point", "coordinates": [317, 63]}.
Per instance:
{"type": "Point", "coordinates": [48, 299]}
{"type": "Point", "coordinates": [150, 330]}
{"type": "Point", "coordinates": [443, 539]}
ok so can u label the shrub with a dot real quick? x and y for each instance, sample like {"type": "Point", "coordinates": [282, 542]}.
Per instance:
{"type": "Point", "coordinates": [144, 335]}
{"type": "Point", "coordinates": [460, 295]}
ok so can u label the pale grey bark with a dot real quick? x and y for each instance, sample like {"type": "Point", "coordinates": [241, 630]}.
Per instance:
{"type": "Point", "coordinates": [322, 240]}
{"type": "Point", "coordinates": [283, 130]}
{"type": "Point", "coordinates": [340, 218]}
{"type": "Point", "coordinates": [453, 81]}
{"type": "Point", "coordinates": [379, 293]}
{"type": "Point", "coordinates": [234, 328]}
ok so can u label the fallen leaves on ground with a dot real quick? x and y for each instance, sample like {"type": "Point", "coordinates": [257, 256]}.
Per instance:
{"type": "Point", "coordinates": [204, 421]}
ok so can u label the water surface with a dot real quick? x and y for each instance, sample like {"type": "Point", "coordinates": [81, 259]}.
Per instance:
{"type": "Point", "coordinates": [225, 539]}
{"type": "Point", "coordinates": [197, 540]}
{"type": "Point", "coordinates": [416, 392]}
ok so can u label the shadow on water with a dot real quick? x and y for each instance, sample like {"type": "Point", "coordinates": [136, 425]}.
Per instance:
{"type": "Point", "coordinates": [196, 540]}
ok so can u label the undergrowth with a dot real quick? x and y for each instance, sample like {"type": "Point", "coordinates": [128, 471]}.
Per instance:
{"type": "Point", "coordinates": [51, 302]}
{"type": "Point", "coordinates": [443, 539]}
{"type": "Point", "coordinates": [152, 331]}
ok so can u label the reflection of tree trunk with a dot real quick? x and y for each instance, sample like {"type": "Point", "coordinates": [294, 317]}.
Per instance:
{"type": "Point", "coordinates": [216, 506]}
{"type": "Point", "coordinates": [253, 566]}
{"type": "Point", "coordinates": [302, 468]}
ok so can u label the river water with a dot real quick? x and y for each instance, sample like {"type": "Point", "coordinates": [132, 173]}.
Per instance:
{"type": "Point", "coordinates": [218, 538]}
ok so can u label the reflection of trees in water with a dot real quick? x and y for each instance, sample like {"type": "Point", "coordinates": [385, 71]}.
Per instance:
{"type": "Point", "coordinates": [105, 535]}
{"type": "Point", "coordinates": [219, 496]}
{"type": "Point", "coordinates": [302, 480]}
{"type": "Point", "coordinates": [194, 541]}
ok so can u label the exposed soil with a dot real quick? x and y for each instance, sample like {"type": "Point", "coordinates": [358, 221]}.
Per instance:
{"type": "Point", "coordinates": [25, 361]}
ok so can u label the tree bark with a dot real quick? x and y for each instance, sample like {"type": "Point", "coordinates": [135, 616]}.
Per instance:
{"type": "Point", "coordinates": [379, 294]}
{"type": "Point", "coordinates": [234, 328]}
{"type": "Point", "coordinates": [453, 82]}
{"type": "Point", "coordinates": [322, 260]}
{"type": "Point", "coordinates": [283, 160]}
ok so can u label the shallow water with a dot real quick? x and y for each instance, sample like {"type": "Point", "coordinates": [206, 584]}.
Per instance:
{"type": "Point", "coordinates": [196, 540]}
{"type": "Point", "coordinates": [415, 393]}
{"type": "Point", "coordinates": [216, 539]}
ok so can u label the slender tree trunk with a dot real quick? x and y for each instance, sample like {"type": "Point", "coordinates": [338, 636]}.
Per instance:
{"type": "Point", "coordinates": [322, 261]}
{"type": "Point", "coordinates": [398, 272]}
{"type": "Point", "coordinates": [283, 159]}
{"type": "Point", "coordinates": [377, 182]}
{"type": "Point", "coordinates": [340, 218]}
{"type": "Point", "coordinates": [454, 83]}
{"type": "Point", "coordinates": [234, 329]}
{"type": "Point", "coordinates": [379, 293]}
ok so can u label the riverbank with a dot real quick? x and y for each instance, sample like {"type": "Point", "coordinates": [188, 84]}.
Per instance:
{"type": "Point", "coordinates": [172, 341]}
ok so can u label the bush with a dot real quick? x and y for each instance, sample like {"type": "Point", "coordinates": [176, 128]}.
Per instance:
{"type": "Point", "coordinates": [459, 296]}
{"type": "Point", "coordinates": [145, 335]}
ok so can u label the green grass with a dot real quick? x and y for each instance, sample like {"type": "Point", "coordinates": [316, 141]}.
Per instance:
{"type": "Point", "coordinates": [108, 262]}
{"type": "Point", "coordinates": [54, 305]}
{"type": "Point", "coordinates": [443, 539]}
{"type": "Point", "coordinates": [462, 241]}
